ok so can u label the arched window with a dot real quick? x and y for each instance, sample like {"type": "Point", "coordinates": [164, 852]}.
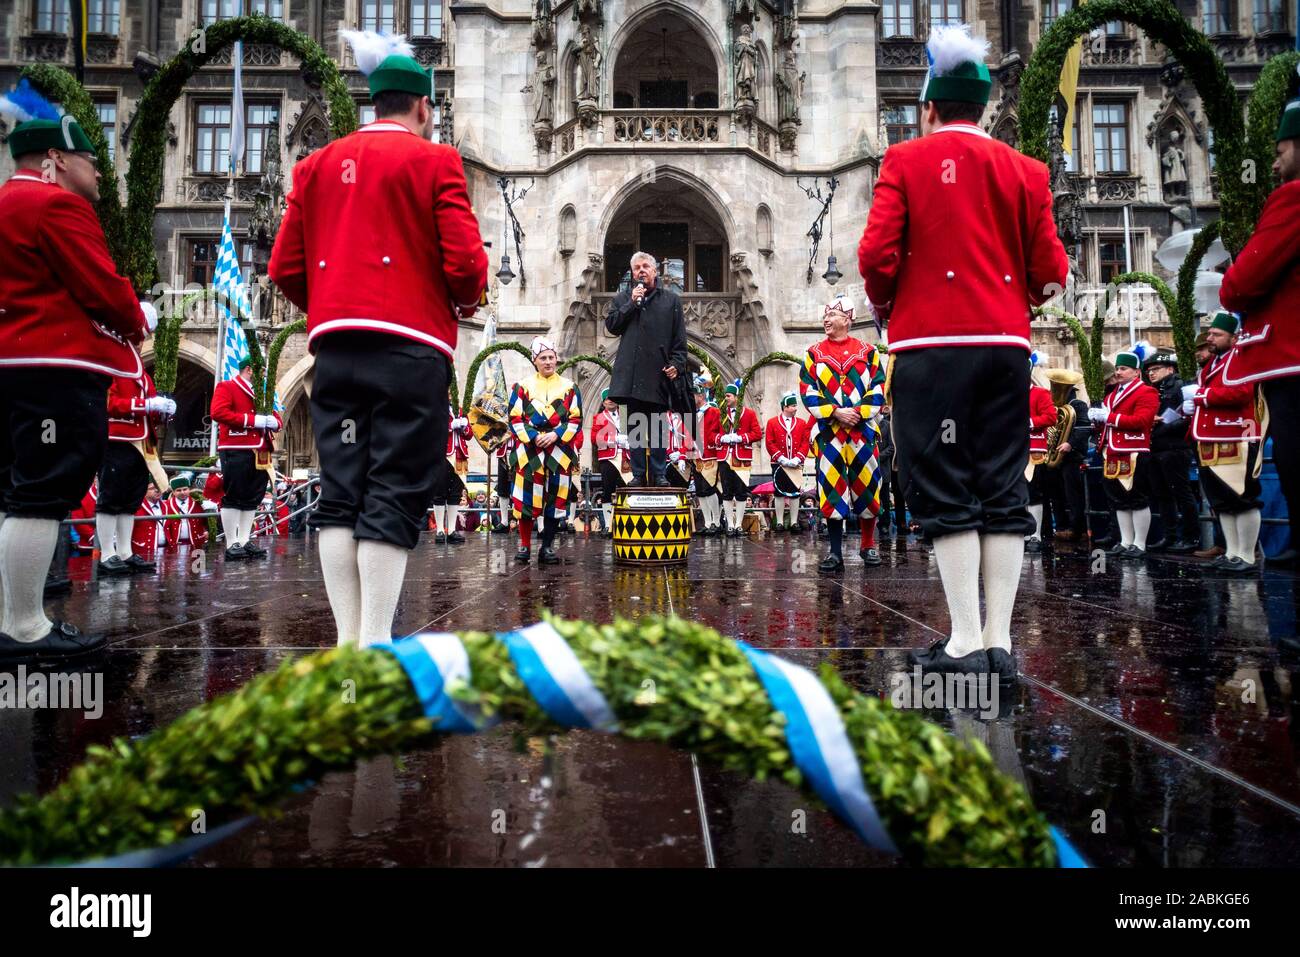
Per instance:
{"type": "Point", "coordinates": [568, 231]}
{"type": "Point", "coordinates": [764, 230]}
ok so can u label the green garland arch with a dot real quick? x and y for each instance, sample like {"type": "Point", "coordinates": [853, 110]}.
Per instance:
{"type": "Point", "coordinates": [1163, 22]}
{"type": "Point", "coordinates": [772, 358]}
{"type": "Point", "coordinates": [60, 86]}
{"type": "Point", "coordinates": [1182, 314]}
{"type": "Point", "coordinates": [266, 394]}
{"type": "Point", "coordinates": [472, 375]}
{"type": "Point", "coordinates": [1185, 326]}
{"type": "Point", "coordinates": [942, 800]}
{"type": "Point", "coordinates": [1276, 84]}
{"type": "Point", "coordinates": [1088, 342]}
{"type": "Point", "coordinates": [144, 177]}
{"type": "Point", "coordinates": [706, 360]}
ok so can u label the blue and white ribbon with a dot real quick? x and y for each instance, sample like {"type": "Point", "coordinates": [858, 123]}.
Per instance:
{"type": "Point", "coordinates": [819, 744]}
{"type": "Point", "coordinates": [556, 679]}
{"type": "Point", "coordinates": [435, 662]}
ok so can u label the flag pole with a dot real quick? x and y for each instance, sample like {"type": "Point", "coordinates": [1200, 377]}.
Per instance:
{"type": "Point", "coordinates": [222, 313]}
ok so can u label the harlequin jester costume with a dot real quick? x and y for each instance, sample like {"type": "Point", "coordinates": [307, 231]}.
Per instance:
{"type": "Point", "coordinates": [543, 482]}
{"type": "Point", "coordinates": [845, 374]}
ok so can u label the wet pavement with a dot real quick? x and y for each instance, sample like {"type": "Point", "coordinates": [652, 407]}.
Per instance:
{"type": "Point", "coordinates": [1157, 723]}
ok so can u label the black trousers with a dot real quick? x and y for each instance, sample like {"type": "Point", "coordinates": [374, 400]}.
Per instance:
{"type": "Point", "coordinates": [961, 439]}
{"type": "Point", "coordinates": [123, 480]}
{"type": "Point", "coordinates": [611, 479]}
{"type": "Point", "coordinates": [647, 434]}
{"type": "Point", "coordinates": [1283, 397]}
{"type": "Point", "coordinates": [53, 430]}
{"type": "Point", "coordinates": [891, 497]}
{"type": "Point", "coordinates": [1122, 500]}
{"type": "Point", "coordinates": [1171, 487]}
{"type": "Point", "coordinates": [380, 415]}
{"type": "Point", "coordinates": [1223, 499]}
{"type": "Point", "coordinates": [505, 478]}
{"type": "Point", "coordinates": [244, 483]}
{"type": "Point", "coordinates": [1073, 478]}
{"type": "Point", "coordinates": [730, 485]}
{"type": "Point", "coordinates": [1038, 485]}
{"type": "Point", "coordinates": [448, 486]}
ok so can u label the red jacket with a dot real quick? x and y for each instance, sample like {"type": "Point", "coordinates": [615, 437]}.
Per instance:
{"type": "Point", "coordinates": [741, 454]}
{"type": "Point", "coordinates": [709, 448]}
{"type": "Point", "coordinates": [604, 439]}
{"type": "Point", "coordinates": [1224, 413]}
{"type": "Point", "coordinates": [379, 235]}
{"type": "Point", "coordinates": [1263, 284]}
{"type": "Point", "coordinates": [214, 489]}
{"type": "Point", "coordinates": [62, 302]}
{"type": "Point", "coordinates": [1131, 411]}
{"type": "Point", "coordinates": [1042, 413]}
{"type": "Point", "coordinates": [145, 531]}
{"type": "Point", "coordinates": [86, 530]}
{"type": "Point", "coordinates": [198, 525]}
{"type": "Point", "coordinates": [458, 440]}
{"type": "Point", "coordinates": [960, 241]}
{"type": "Point", "coordinates": [791, 443]}
{"type": "Point", "coordinates": [233, 411]}
{"type": "Point", "coordinates": [127, 419]}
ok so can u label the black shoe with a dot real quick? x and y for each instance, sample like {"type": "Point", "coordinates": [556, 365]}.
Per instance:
{"type": "Point", "coordinates": [871, 557]}
{"type": "Point", "coordinates": [456, 538]}
{"type": "Point", "coordinates": [1134, 553]}
{"type": "Point", "coordinates": [139, 564]}
{"type": "Point", "coordinates": [236, 553]}
{"type": "Point", "coordinates": [1003, 664]}
{"type": "Point", "coordinates": [253, 550]}
{"type": "Point", "coordinates": [498, 528]}
{"type": "Point", "coordinates": [1239, 566]}
{"type": "Point", "coordinates": [524, 555]}
{"type": "Point", "coordinates": [57, 586]}
{"type": "Point", "coordinates": [1033, 545]}
{"type": "Point", "coordinates": [114, 566]}
{"type": "Point", "coordinates": [547, 556]}
{"type": "Point", "coordinates": [62, 641]}
{"type": "Point", "coordinates": [663, 483]}
{"type": "Point", "coordinates": [440, 537]}
{"type": "Point", "coordinates": [1217, 563]}
{"type": "Point", "coordinates": [936, 658]}
{"type": "Point", "coordinates": [831, 563]}
{"type": "Point", "coordinates": [1157, 546]}
{"type": "Point", "coordinates": [1180, 546]}
{"type": "Point", "coordinates": [1118, 550]}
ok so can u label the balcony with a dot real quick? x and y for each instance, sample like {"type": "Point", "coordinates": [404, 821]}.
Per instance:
{"type": "Point", "coordinates": [693, 129]}
{"type": "Point", "coordinates": [200, 188]}
{"type": "Point", "coordinates": [708, 315]}
{"type": "Point", "coordinates": [1107, 188]}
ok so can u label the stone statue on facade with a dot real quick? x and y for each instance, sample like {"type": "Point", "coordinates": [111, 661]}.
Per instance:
{"type": "Point", "coordinates": [1174, 164]}
{"type": "Point", "coordinates": [543, 99]}
{"type": "Point", "coordinates": [789, 90]}
{"type": "Point", "coordinates": [588, 75]}
{"type": "Point", "coordinates": [746, 60]}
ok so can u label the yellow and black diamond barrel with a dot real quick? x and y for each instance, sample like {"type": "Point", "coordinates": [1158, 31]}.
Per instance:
{"type": "Point", "coordinates": [652, 526]}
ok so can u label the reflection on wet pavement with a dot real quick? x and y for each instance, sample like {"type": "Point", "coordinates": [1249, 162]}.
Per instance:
{"type": "Point", "coordinates": [1156, 724]}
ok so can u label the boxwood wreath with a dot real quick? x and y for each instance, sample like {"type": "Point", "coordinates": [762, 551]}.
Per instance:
{"type": "Point", "coordinates": [942, 800]}
{"type": "Point", "coordinates": [1089, 344]}
{"type": "Point", "coordinates": [772, 358]}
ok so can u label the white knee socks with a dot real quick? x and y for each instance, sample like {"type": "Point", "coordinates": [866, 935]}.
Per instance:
{"type": "Point", "coordinates": [1000, 559]}
{"type": "Point", "coordinates": [1247, 535]}
{"type": "Point", "coordinates": [959, 568]}
{"type": "Point", "coordinates": [1037, 512]}
{"type": "Point", "coordinates": [505, 513]}
{"type": "Point", "coordinates": [1125, 520]}
{"type": "Point", "coordinates": [26, 550]}
{"type": "Point", "coordinates": [1231, 540]}
{"type": "Point", "coordinates": [230, 526]}
{"type": "Point", "coordinates": [1141, 525]}
{"type": "Point", "coordinates": [338, 562]}
{"type": "Point", "coordinates": [453, 511]}
{"type": "Point", "coordinates": [246, 521]}
{"type": "Point", "coordinates": [382, 568]}
{"type": "Point", "coordinates": [778, 504]}
{"type": "Point", "coordinates": [608, 512]}
{"type": "Point", "coordinates": [125, 527]}
{"type": "Point", "coordinates": [106, 532]}
{"type": "Point", "coordinates": [740, 514]}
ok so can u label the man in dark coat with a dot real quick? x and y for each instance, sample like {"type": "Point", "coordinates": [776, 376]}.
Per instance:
{"type": "Point", "coordinates": [1171, 458]}
{"type": "Point", "coordinates": [648, 319]}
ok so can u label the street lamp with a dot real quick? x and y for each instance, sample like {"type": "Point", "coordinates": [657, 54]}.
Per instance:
{"type": "Point", "coordinates": [832, 274]}
{"type": "Point", "coordinates": [504, 274]}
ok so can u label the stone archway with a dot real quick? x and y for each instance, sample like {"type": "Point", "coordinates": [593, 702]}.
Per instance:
{"type": "Point", "coordinates": [188, 434]}
{"type": "Point", "coordinates": [666, 57]}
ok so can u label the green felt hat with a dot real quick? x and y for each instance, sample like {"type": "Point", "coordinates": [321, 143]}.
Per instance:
{"type": "Point", "coordinates": [956, 66]}
{"type": "Point", "coordinates": [401, 73]}
{"type": "Point", "coordinates": [1226, 321]}
{"type": "Point", "coordinates": [37, 136]}
{"type": "Point", "coordinates": [182, 480]}
{"type": "Point", "coordinates": [604, 394]}
{"type": "Point", "coordinates": [789, 399]}
{"type": "Point", "coordinates": [969, 83]}
{"type": "Point", "coordinates": [1127, 359]}
{"type": "Point", "coordinates": [1289, 128]}
{"type": "Point", "coordinates": [732, 388]}
{"type": "Point", "coordinates": [245, 363]}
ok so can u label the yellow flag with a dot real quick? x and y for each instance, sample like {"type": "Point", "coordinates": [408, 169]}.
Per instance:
{"type": "Point", "coordinates": [85, 28]}
{"type": "Point", "coordinates": [1069, 86]}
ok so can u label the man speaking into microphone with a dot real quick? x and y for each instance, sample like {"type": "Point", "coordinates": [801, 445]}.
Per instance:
{"type": "Point", "coordinates": [648, 319]}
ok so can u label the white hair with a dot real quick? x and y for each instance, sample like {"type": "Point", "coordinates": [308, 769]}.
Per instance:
{"type": "Point", "coordinates": [637, 256]}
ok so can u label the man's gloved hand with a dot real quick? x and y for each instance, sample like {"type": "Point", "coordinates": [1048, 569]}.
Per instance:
{"type": "Point", "coordinates": [266, 422]}
{"type": "Point", "coordinates": [150, 316]}
{"type": "Point", "coordinates": [1189, 407]}
{"type": "Point", "coordinates": [621, 441]}
{"type": "Point", "coordinates": [674, 456]}
{"type": "Point", "coordinates": [160, 405]}
{"type": "Point", "coordinates": [1097, 415]}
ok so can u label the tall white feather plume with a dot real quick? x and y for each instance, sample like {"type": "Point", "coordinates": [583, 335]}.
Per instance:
{"type": "Point", "coordinates": [371, 49]}
{"type": "Point", "coordinates": [951, 46]}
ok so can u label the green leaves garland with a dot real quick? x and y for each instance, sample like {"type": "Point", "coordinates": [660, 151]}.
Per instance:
{"type": "Point", "coordinates": [568, 364]}
{"type": "Point", "coordinates": [1163, 22]}
{"type": "Point", "coordinates": [1088, 343]}
{"type": "Point", "coordinates": [472, 375]}
{"type": "Point", "coordinates": [266, 394]}
{"type": "Point", "coordinates": [1185, 327]}
{"type": "Point", "coordinates": [942, 800]}
{"type": "Point", "coordinates": [772, 358]}
{"type": "Point", "coordinates": [1181, 312]}
{"type": "Point", "coordinates": [144, 177]}
{"type": "Point", "coordinates": [1276, 84]}
{"type": "Point", "coordinates": [706, 360]}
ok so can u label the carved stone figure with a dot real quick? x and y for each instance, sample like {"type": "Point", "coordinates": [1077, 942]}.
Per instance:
{"type": "Point", "coordinates": [789, 88]}
{"type": "Point", "coordinates": [544, 88]}
{"type": "Point", "coordinates": [588, 65]}
{"type": "Point", "coordinates": [1174, 163]}
{"type": "Point", "coordinates": [746, 64]}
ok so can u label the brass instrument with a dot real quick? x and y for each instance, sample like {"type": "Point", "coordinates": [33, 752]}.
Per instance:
{"type": "Point", "coordinates": [1062, 381]}
{"type": "Point", "coordinates": [489, 419]}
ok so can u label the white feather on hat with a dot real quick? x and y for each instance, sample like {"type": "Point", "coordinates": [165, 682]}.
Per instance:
{"type": "Point", "coordinates": [370, 49]}
{"type": "Point", "coordinates": [951, 46]}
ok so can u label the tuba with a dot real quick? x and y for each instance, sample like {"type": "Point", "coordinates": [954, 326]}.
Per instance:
{"type": "Point", "coordinates": [1062, 381]}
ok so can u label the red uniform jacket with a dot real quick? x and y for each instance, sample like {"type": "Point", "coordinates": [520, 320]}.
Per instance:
{"type": "Point", "coordinates": [710, 429]}
{"type": "Point", "coordinates": [198, 525]}
{"type": "Point", "coordinates": [214, 489]}
{"type": "Point", "coordinates": [604, 439]}
{"type": "Point", "coordinates": [233, 411]}
{"type": "Point", "coordinates": [960, 241]}
{"type": "Point", "coordinates": [144, 533]}
{"type": "Point", "coordinates": [263, 525]}
{"type": "Point", "coordinates": [1263, 284]}
{"type": "Point", "coordinates": [127, 419]}
{"type": "Point", "coordinates": [1131, 411]}
{"type": "Point", "coordinates": [679, 436]}
{"type": "Point", "coordinates": [1041, 414]}
{"type": "Point", "coordinates": [1224, 413]}
{"type": "Point", "coordinates": [62, 302]}
{"type": "Point", "coordinates": [379, 236]}
{"type": "Point", "coordinates": [792, 442]}
{"type": "Point", "coordinates": [458, 440]}
{"type": "Point", "coordinates": [741, 454]}
{"type": "Point", "coordinates": [86, 530]}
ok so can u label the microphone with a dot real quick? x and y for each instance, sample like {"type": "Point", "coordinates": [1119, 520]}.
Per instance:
{"type": "Point", "coordinates": [640, 286]}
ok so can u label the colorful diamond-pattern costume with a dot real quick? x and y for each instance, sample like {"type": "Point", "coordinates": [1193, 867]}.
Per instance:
{"type": "Point", "coordinates": [542, 476]}
{"type": "Point", "coordinates": [844, 375]}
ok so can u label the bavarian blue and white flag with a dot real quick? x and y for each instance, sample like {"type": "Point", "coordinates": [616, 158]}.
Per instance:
{"type": "Point", "coordinates": [228, 280]}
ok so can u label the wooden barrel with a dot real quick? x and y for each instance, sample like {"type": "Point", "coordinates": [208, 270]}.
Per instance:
{"type": "Point", "coordinates": [652, 526]}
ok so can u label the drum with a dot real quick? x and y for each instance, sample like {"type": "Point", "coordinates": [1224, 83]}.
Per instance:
{"type": "Point", "coordinates": [652, 526]}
